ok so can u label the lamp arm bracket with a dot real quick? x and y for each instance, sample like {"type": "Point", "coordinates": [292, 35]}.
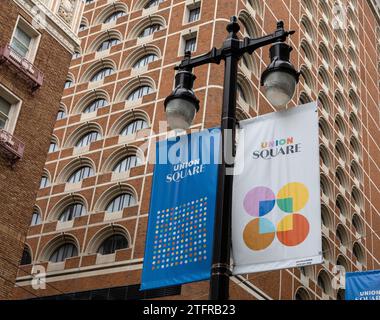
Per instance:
{"type": "Point", "coordinates": [249, 45]}
{"type": "Point", "coordinates": [214, 56]}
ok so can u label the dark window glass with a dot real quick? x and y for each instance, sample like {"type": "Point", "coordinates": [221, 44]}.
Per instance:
{"type": "Point", "coordinates": [102, 74]}
{"type": "Point", "coordinates": [87, 139]}
{"type": "Point", "coordinates": [139, 93]}
{"type": "Point", "coordinates": [95, 105]}
{"type": "Point", "coordinates": [72, 211]}
{"type": "Point", "coordinates": [120, 202]}
{"type": "Point", "coordinates": [36, 219]}
{"type": "Point", "coordinates": [114, 16]}
{"type": "Point", "coordinates": [149, 30]}
{"type": "Point", "coordinates": [194, 14]}
{"type": "Point", "coordinates": [126, 164]}
{"type": "Point", "coordinates": [133, 127]}
{"type": "Point", "coordinates": [190, 44]}
{"type": "Point", "coordinates": [26, 258]}
{"type": "Point", "coordinates": [80, 174]}
{"type": "Point", "coordinates": [108, 44]}
{"type": "Point", "coordinates": [152, 3]}
{"type": "Point", "coordinates": [63, 252]}
{"type": "Point", "coordinates": [145, 61]}
{"type": "Point", "coordinates": [113, 243]}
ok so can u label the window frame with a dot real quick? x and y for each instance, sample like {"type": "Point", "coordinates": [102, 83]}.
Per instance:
{"type": "Point", "coordinates": [122, 199]}
{"type": "Point", "coordinates": [15, 108]}
{"type": "Point", "coordinates": [110, 245]}
{"type": "Point", "coordinates": [32, 33]}
{"type": "Point", "coordinates": [134, 125]}
{"type": "Point", "coordinates": [64, 246]}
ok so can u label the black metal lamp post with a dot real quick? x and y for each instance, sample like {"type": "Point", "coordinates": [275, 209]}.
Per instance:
{"type": "Point", "coordinates": [279, 81]}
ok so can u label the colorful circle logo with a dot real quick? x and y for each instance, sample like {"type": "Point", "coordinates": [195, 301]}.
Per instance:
{"type": "Point", "coordinates": [259, 201]}
{"type": "Point", "coordinates": [292, 197]}
{"type": "Point", "coordinates": [291, 231]}
{"type": "Point", "coordinates": [259, 234]}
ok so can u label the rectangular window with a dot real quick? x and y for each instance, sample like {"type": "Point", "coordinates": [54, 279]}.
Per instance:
{"type": "Point", "coordinates": [25, 40]}
{"type": "Point", "coordinates": [5, 108]}
{"type": "Point", "coordinates": [21, 42]}
{"type": "Point", "coordinates": [190, 44]}
{"type": "Point", "coordinates": [194, 14]}
{"type": "Point", "coordinates": [9, 109]}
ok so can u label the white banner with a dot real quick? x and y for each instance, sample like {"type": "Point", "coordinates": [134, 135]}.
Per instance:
{"type": "Point", "coordinates": [276, 217]}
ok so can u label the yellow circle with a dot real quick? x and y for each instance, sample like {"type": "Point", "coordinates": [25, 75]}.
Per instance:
{"type": "Point", "coordinates": [292, 197]}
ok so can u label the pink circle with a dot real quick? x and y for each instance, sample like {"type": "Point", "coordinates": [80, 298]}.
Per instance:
{"type": "Point", "coordinates": [259, 201]}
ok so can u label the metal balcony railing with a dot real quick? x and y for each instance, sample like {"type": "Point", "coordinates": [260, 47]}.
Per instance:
{"type": "Point", "coordinates": [11, 147]}
{"type": "Point", "coordinates": [8, 54]}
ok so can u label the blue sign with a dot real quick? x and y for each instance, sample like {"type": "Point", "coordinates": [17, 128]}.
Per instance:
{"type": "Point", "coordinates": [178, 247]}
{"type": "Point", "coordinates": [363, 285]}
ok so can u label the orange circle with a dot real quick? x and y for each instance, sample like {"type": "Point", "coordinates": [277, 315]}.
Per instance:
{"type": "Point", "coordinates": [293, 230]}
{"type": "Point", "coordinates": [259, 234]}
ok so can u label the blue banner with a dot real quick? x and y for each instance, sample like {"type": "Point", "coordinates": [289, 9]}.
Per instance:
{"type": "Point", "coordinates": [363, 285]}
{"type": "Point", "coordinates": [178, 247]}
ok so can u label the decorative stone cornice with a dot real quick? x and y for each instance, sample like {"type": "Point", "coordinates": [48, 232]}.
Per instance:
{"type": "Point", "coordinates": [52, 23]}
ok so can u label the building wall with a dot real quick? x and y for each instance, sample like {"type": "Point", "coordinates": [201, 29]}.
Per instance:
{"type": "Point", "coordinates": [340, 69]}
{"type": "Point", "coordinates": [34, 128]}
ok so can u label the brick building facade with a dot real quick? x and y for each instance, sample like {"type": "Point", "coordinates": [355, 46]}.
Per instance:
{"type": "Point", "coordinates": [34, 60]}
{"type": "Point", "coordinates": [94, 210]}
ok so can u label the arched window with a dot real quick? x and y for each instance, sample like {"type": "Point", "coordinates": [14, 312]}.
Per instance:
{"type": "Point", "coordinates": [87, 139]}
{"type": "Point", "coordinates": [108, 44]}
{"type": "Point", "coordinates": [356, 171]}
{"type": "Point", "coordinates": [302, 294]}
{"type": "Point", "coordinates": [358, 252]}
{"type": "Point", "coordinates": [120, 202]}
{"type": "Point", "coordinates": [152, 3]}
{"type": "Point", "coordinates": [326, 249]}
{"type": "Point", "coordinates": [36, 218]}
{"type": "Point", "coordinates": [240, 93]}
{"type": "Point", "coordinates": [114, 16]}
{"type": "Point", "coordinates": [26, 257]}
{"type": "Point", "coordinates": [139, 93]}
{"type": "Point", "coordinates": [341, 177]}
{"type": "Point", "coordinates": [72, 211]}
{"type": "Point", "coordinates": [95, 105]}
{"type": "Point", "coordinates": [324, 128]}
{"type": "Point", "coordinates": [342, 206]}
{"type": "Point", "coordinates": [358, 224]}
{"type": "Point", "coordinates": [324, 282]}
{"type": "Point", "coordinates": [53, 147]}
{"type": "Point", "coordinates": [341, 150]}
{"type": "Point", "coordinates": [63, 252]}
{"type": "Point", "coordinates": [324, 156]}
{"type": "Point", "coordinates": [341, 261]}
{"type": "Point", "coordinates": [133, 127]}
{"type": "Point", "coordinates": [149, 30]}
{"type": "Point", "coordinates": [145, 60]}
{"type": "Point", "coordinates": [61, 114]}
{"type": "Point", "coordinates": [341, 126]}
{"type": "Point", "coordinates": [113, 243]}
{"type": "Point", "coordinates": [326, 217]}
{"type": "Point", "coordinates": [355, 146]}
{"type": "Point", "coordinates": [44, 181]}
{"type": "Point", "coordinates": [80, 174]}
{"type": "Point", "coordinates": [102, 74]}
{"type": "Point", "coordinates": [342, 235]}
{"type": "Point", "coordinates": [68, 84]}
{"type": "Point", "coordinates": [341, 294]}
{"type": "Point", "coordinates": [127, 163]}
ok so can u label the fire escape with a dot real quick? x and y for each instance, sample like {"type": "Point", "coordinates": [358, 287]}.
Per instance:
{"type": "Point", "coordinates": [22, 65]}
{"type": "Point", "coordinates": [11, 147]}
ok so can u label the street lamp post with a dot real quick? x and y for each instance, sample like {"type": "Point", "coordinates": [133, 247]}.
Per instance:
{"type": "Point", "coordinates": [279, 80]}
